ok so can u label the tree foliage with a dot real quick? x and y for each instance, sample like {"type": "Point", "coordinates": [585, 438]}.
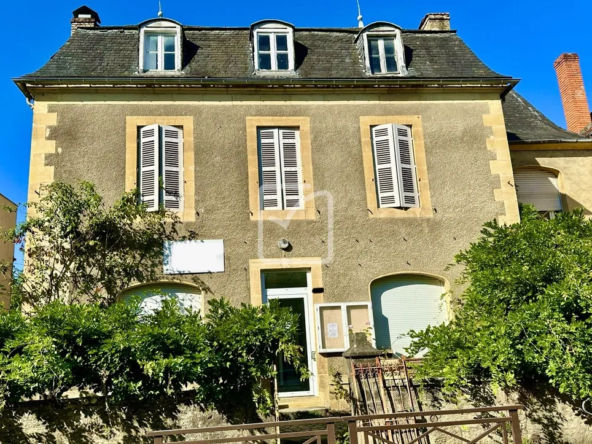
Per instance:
{"type": "Point", "coordinates": [526, 314]}
{"type": "Point", "coordinates": [79, 249]}
{"type": "Point", "coordinates": [122, 354]}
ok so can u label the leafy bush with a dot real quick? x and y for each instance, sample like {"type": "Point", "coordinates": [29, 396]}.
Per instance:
{"type": "Point", "coordinates": [526, 315]}
{"type": "Point", "coordinates": [121, 354]}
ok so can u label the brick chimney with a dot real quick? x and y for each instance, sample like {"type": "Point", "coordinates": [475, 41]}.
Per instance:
{"type": "Point", "coordinates": [84, 17]}
{"type": "Point", "coordinates": [435, 21]}
{"type": "Point", "coordinates": [573, 94]}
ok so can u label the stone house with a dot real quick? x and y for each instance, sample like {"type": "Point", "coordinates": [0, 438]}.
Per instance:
{"type": "Point", "coordinates": [338, 170]}
{"type": "Point", "coordinates": [7, 221]}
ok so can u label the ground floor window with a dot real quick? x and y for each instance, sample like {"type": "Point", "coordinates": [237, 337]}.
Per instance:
{"type": "Point", "coordinates": [539, 188]}
{"type": "Point", "coordinates": [405, 302]}
{"type": "Point", "coordinates": [152, 295]}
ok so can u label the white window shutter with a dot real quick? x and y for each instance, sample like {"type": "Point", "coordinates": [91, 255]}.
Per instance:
{"type": "Point", "coordinates": [539, 188]}
{"type": "Point", "coordinates": [149, 147]}
{"type": "Point", "coordinates": [387, 183]}
{"type": "Point", "coordinates": [291, 168]}
{"type": "Point", "coordinates": [406, 166]}
{"type": "Point", "coordinates": [269, 164]}
{"type": "Point", "coordinates": [172, 153]}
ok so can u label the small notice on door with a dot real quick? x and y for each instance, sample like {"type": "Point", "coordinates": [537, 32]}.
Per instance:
{"type": "Point", "coordinates": [332, 331]}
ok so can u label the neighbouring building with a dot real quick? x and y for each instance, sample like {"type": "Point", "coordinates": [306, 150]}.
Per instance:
{"type": "Point", "coordinates": [337, 170]}
{"type": "Point", "coordinates": [7, 221]}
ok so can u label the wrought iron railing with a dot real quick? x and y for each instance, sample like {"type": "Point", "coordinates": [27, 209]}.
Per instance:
{"type": "Point", "coordinates": [469, 426]}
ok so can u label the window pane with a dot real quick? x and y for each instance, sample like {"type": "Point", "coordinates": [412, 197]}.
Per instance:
{"type": "Point", "coordinates": [374, 56]}
{"type": "Point", "coordinates": [264, 61]}
{"type": "Point", "coordinates": [389, 53]}
{"type": "Point", "coordinates": [169, 43]}
{"type": "Point", "coordinates": [375, 64]}
{"type": "Point", "coordinates": [150, 61]}
{"type": "Point", "coordinates": [282, 61]}
{"type": "Point", "coordinates": [151, 42]}
{"type": "Point", "coordinates": [169, 61]}
{"type": "Point", "coordinates": [281, 42]}
{"type": "Point", "coordinates": [264, 43]}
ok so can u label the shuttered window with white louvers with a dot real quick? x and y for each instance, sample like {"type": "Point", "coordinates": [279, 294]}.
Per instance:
{"type": "Point", "coordinates": [172, 153]}
{"type": "Point", "coordinates": [291, 168]}
{"type": "Point", "coordinates": [149, 159]}
{"type": "Point", "coordinates": [406, 166]}
{"type": "Point", "coordinates": [394, 165]}
{"type": "Point", "coordinates": [539, 188]}
{"type": "Point", "coordinates": [280, 170]}
{"type": "Point", "coordinates": [387, 182]}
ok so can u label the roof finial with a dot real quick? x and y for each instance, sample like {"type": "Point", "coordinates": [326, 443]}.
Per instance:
{"type": "Point", "coordinates": [159, 10]}
{"type": "Point", "coordinates": [360, 22]}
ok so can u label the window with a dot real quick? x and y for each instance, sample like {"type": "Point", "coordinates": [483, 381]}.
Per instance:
{"type": "Point", "coordinates": [160, 46]}
{"type": "Point", "coordinates": [382, 49]}
{"type": "Point", "coordinates": [539, 188]}
{"type": "Point", "coordinates": [160, 167]}
{"type": "Point", "coordinates": [189, 297]}
{"type": "Point", "coordinates": [280, 170]}
{"type": "Point", "coordinates": [273, 46]}
{"type": "Point", "coordinates": [383, 58]}
{"type": "Point", "coordinates": [402, 303]}
{"type": "Point", "coordinates": [394, 165]}
{"type": "Point", "coordinates": [160, 52]}
{"type": "Point", "coordinates": [336, 321]}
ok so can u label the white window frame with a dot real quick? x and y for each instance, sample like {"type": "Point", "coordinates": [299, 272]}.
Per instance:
{"type": "Point", "coordinates": [382, 53]}
{"type": "Point", "coordinates": [384, 31]}
{"type": "Point", "coordinates": [161, 28]}
{"type": "Point", "coordinates": [274, 29]}
{"type": "Point", "coordinates": [345, 325]}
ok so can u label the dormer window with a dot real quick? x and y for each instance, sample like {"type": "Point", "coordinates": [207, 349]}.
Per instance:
{"type": "Point", "coordinates": [160, 46]}
{"type": "Point", "coordinates": [382, 48]}
{"type": "Point", "coordinates": [273, 46]}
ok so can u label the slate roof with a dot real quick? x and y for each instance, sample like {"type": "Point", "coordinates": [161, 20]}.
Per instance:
{"type": "Point", "coordinates": [525, 123]}
{"type": "Point", "coordinates": [226, 53]}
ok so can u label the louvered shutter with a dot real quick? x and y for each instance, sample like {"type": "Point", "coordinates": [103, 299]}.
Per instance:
{"type": "Point", "coordinates": [269, 164]}
{"type": "Point", "coordinates": [387, 183]}
{"type": "Point", "coordinates": [172, 142]}
{"type": "Point", "coordinates": [539, 188]}
{"type": "Point", "coordinates": [406, 166]}
{"type": "Point", "coordinates": [404, 303]}
{"type": "Point", "coordinates": [149, 148]}
{"type": "Point", "coordinates": [291, 168]}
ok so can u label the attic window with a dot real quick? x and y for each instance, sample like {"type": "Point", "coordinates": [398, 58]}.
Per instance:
{"type": "Point", "coordinates": [273, 44]}
{"type": "Point", "coordinates": [160, 46]}
{"type": "Point", "coordinates": [382, 48]}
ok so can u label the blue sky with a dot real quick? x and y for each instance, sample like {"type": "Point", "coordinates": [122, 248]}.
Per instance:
{"type": "Point", "coordinates": [521, 38]}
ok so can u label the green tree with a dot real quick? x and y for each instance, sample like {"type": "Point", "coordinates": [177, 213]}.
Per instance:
{"type": "Point", "coordinates": [78, 249]}
{"type": "Point", "coordinates": [526, 314]}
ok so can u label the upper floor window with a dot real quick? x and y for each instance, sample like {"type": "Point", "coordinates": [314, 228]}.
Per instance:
{"type": "Point", "coordinates": [540, 188]}
{"type": "Point", "coordinates": [280, 170]}
{"type": "Point", "coordinates": [273, 44]}
{"type": "Point", "coordinates": [394, 165]}
{"type": "Point", "coordinates": [382, 49]}
{"type": "Point", "coordinates": [160, 167]}
{"type": "Point", "coordinates": [160, 46]}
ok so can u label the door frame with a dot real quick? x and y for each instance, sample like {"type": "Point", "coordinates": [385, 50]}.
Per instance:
{"type": "Point", "coordinates": [306, 294]}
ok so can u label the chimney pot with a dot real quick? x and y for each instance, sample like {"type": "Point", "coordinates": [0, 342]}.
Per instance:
{"type": "Point", "coordinates": [573, 93]}
{"type": "Point", "coordinates": [435, 21]}
{"type": "Point", "coordinates": [84, 17]}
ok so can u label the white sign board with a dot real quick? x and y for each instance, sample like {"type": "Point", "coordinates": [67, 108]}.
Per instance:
{"type": "Point", "coordinates": [189, 257]}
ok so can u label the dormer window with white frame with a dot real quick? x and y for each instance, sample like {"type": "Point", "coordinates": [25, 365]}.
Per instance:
{"type": "Point", "coordinates": [382, 49]}
{"type": "Point", "coordinates": [160, 46]}
{"type": "Point", "coordinates": [273, 46]}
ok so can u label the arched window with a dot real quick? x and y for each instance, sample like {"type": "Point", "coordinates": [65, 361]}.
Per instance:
{"type": "Point", "coordinates": [190, 297]}
{"type": "Point", "coordinates": [160, 46]}
{"type": "Point", "coordinates": [273, 46]}
{"type": "Point", "coordinates": [405, 302]}
{"type": "Point", "coordinates": [540, 188]}
{"type": "Point", "coordinates": [382, 49]}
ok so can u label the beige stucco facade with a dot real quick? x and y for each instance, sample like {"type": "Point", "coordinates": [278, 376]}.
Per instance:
{"type": "Point", "coordinates": [7, 221]}
{"type": "Point", "coordinates": [572, 166]}
{"type": "Point", "coordinates": [464, 152]}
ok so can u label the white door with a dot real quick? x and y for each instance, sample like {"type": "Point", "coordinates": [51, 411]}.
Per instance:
{"type": "Point", "coordinates": [297, 298]}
